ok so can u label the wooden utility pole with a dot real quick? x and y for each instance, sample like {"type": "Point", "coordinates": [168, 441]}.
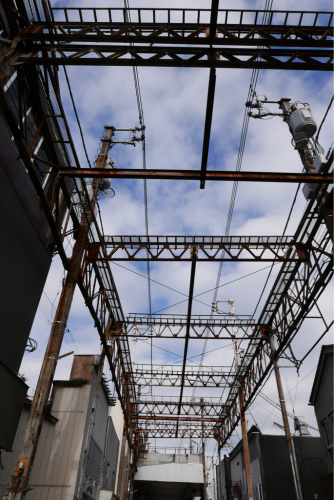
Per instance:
{"type": "Point", "coordinates": [245, 440]}
{"type": "Point", "coordinates": [20, 480]}
{"type": "Point", "coordinates": [242, 405]}
{"type": "Point", "coordinates": [284, 416]}
{"type": "Point", "coordinates": [203, 451]}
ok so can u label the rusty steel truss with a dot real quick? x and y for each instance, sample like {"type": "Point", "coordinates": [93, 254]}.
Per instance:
{"type": "Point", "coordinates": [34, 46]}
{"type": "Point", "coordinates": [180, 37]}
{"type": "Point", "coordinates": [208, 248]}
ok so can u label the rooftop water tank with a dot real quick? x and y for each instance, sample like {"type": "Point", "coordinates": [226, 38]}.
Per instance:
{"type": "Point", "coordinates": [301, 119]}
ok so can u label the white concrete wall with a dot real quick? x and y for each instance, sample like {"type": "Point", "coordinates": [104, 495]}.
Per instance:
{"type": "Point", "coordinates": [173, 472]}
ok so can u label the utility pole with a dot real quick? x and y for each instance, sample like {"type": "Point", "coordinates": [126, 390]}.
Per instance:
{"type": "Point", "coordinates": [285, 418]}
{"type": "Point", "coordinates": [245, 439]}
{"type": "Point", "coordinates": [242, 406]}
{"type": "Point", "coordinates": [203, 451]}
{"type": "Point", "coordinates": [20, 480]}
{"type": "Point", "coordinates": [219, 482]}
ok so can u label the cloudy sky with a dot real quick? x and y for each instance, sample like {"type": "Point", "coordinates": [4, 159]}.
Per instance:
{"type": "Point", "coordinates": [174, 103]}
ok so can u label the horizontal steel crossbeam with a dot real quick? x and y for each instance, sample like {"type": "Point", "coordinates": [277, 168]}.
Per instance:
{"type": "Point", "coordinates": [181, 320]}
{"type": "Point", "coordinates": [191, 407]}
{"type": "Point", "coordinates": [221, 328]}
{"type": "Point", "coordinates": [171, 376]}
{"type": "Point", "coordinates": [163, 429]}
{"type": "Point", "coordinates": [208, 248]}
{"type": "Point", "coordinates": [195, 175]}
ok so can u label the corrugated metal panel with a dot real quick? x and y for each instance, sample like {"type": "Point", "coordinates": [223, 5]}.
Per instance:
{"type": "Point", "coordinates": [56, 465]}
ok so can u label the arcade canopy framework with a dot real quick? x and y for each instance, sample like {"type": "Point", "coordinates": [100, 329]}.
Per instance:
{"type": "Point", "coordinates": [36, 44]}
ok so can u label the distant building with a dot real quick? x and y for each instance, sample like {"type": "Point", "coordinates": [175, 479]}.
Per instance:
{"type": "Point", "coordinates": [169, 476]}
{"type": "Point", "coordinates": [70, 433]}
{"type": "Point", "coordinates": [271, 469]}
{"type": "Point", "coordinates": [322, 400]}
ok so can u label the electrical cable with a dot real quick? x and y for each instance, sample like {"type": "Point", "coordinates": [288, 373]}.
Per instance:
{"type": "Point", "coordinates": [324, 118]}
{"type": "Point", "coordinates": [178, 355]}
{"type": "Point", "coordinates": [220, 286]}
{"type": "Point", "coordinates": [142, 124]}
{"type": "Point", "coordinates": [77, 117]}
{"type": "Point", "coordinates": [181, 293]}
{"type": "Point", "coordinates": [271, 268]}
{"type": "Point", "coordinates": [316, 343]}
{"type": "Point", "coordinates": [277, 406]}
{"type": "Point", "coordinates": [251, 93]}
{"type": "Point", "coordinates": [158, 283]}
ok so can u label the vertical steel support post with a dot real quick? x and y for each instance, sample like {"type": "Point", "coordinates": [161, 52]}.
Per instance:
{"type": "Point", "coordinates": [284, 416]}
{"type": "Point", "coordinates": [245, 440]}
{"type": "Point", "coordinates": [20, 480]}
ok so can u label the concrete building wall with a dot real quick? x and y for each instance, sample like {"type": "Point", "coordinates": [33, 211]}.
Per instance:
{"type": "Point", "coordinates": [117, 416]}
{"type": "Point", "coordinates": [55, 467]}
{"type": "Point", "coordinates": [67, 437]}
{"type": "Point", "coordinates": [322, 399]}
{"type": "Point", "coordinates": [24, 258]}
{"type": "Point", "coordinates": [271, 469]}
{"type": "Point", "coordinates": [173, 472]}
{"type": "Point", "coordinates": [237, 477]}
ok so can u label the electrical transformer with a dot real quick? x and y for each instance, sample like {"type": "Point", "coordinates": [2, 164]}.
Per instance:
{"type": "Point", "coordinates": [105, 182]}
{"type": "Point", "coordinates": [301, 119]}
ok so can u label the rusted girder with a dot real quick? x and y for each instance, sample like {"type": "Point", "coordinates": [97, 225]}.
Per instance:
{"type": "Point", "coordinates": [163, 429]}
{"type": "Point", "coordinates": [164, 26]}
{"type": "Point", "coordinates": [177, 418]}
{"type": "Point", "coordinates": [174, 326]}
{"type": "Point", "coordinates": [198, 329]}
{"type": "Point", "coordinates": [171, 376]}
{"type": "Point", "coordinates": [195, 175]}
{"type": "Point", "coordinates": [208, 248]}
{"type": "Point", "coordinates": [137, 319]}
{"type": "Point", "coordinates": [192, 407]}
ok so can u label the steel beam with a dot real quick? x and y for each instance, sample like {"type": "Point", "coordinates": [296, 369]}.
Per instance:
{"type": "Point", "coordinates": [208, 118]}
{"type": "Point", "coordinates": [172, 57]}
{"type": "Point", "coordinates": [166, 406]}
{"type": "Point", "coordinates": [194, 256]}
{"type": "Point", "coordinates": [222, 329]}
{"type": "Point", "coordinates": [195, 175]}
{"type": "Point", "coordinates": [176, 376]}
{"type": "Point", "coordinates": [208, 248]}
{"type": "Point", "coordinates": [163, 429]}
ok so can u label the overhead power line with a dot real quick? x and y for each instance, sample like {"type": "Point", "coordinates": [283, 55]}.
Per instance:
{"type": "Point", "coordinates": [181, 293]}
{"type": "Point", "coordinates": [251, 93]}
{"type": "Point", "coordinates": [142, 124]}
{"type": "Point", "coordinates": [324, 118]}
{"type": "Point", "coordinates": [77, 117]}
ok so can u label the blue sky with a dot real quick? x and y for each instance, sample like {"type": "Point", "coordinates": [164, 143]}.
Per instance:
{"type": "Point", "coordinates": [174, 102]}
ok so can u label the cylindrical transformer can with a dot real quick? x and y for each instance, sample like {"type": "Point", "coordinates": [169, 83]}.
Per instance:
{"type": "Point", "coordinates": [105, 182]}
{"type": "Point", "coordinates": [301, 120]}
